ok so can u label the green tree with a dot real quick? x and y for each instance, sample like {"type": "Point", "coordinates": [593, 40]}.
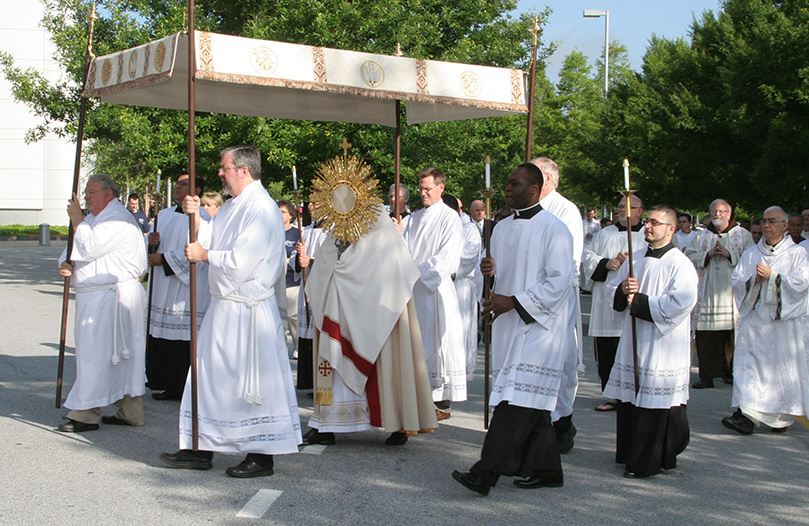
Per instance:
{"type": "Point", "coordinates": [131, 143]}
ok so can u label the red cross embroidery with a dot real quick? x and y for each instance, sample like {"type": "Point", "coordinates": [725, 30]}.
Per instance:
{"type": "Point", "coordinates": [324, 368]}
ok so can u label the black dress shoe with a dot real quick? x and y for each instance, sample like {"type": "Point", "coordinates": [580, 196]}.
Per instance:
{"type": "Point", "coordinates": [565, 440]}
{"type": "Point", "coordinates": [703, 384]}
{"type": "Point", "coordinates": [470, 481]}
{"type": "Point", "coordinates": [727, 378]}
{"type": "Point", "coordinates": [114, 421]}
{"type": "Point", "coordinates": [396, 439]}
{"type": "Point", "coordinates": [248, 469]}
{"type": "Point", "coordinates": [739, 423]}
{"type": "Point", "coordinates": [73, 426]}
{"type": "Point", "coordinates": [313, 436]}
{"type": "Point", "coordinates": [779, 429]}
{"type": "Point", "coordinates": [538, 482]}
{"type": "Point", "coordinates": [637, 474]}
{"type": "Point", "coordinates": [185, 459]}
{"type": "Point", "coordinates": [167, 395]}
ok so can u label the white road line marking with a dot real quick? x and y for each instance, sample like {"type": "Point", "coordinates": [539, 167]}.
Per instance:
{"type": "Point", "coordinates": [314, 449]}
{"type": "Point", "coordinates": [259, 504]}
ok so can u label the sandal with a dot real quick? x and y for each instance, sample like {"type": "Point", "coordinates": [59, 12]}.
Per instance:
{"type": "Point", "coordinates": [609, 405]}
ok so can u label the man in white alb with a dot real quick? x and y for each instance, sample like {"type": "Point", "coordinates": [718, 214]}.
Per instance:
{"type": "Point", "coordinates": [770, 368]}
{"type": "Point", "coordinates": [247, 401]}
{"type": "Point", "coordinates": [107, 260]}
{"type": "Point", "coordinates": [434, 236]}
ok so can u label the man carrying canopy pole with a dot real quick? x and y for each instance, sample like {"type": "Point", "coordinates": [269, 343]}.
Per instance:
{"type": "Point", "coordinates": [247, 401]}
{"type": "Point", "coordinates": [76, 172]}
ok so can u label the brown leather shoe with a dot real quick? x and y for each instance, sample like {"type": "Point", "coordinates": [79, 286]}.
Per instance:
{"type": "Point", "coordinates": [442, 415]}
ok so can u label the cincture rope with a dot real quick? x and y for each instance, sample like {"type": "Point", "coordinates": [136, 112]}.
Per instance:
{"type": "Point", "coordinates": [253, 395]}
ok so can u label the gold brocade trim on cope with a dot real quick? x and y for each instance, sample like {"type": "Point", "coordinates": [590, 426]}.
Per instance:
{"type": "Point", "coordinates": [347, 196]}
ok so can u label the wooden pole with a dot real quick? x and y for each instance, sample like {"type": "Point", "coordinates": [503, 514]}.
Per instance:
{"type": "Point", "coordinates": [397, 165]}
{"type": "Point", "coordinates": [532, 80]}
{"type": "Point", "coordinates": [192, 230]}
{"type": "Point", "coordinates": [627, 193]}
{"type": "Point", "coordinates": [487, 292]}
{"type": "Point", "coordinates": [76, 172]}
{"type": "Point", "coordinates": [151, 269]}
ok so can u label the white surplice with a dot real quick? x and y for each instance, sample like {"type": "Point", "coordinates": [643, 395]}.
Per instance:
{"type": "Point", "coordinates": [469, 287]}
{"type": "Point", "coordinates": [606, 244]}
{"type": "Point", "coordinates": [568, 213]}
{"type": "Point", "coordinates": [312, 237]}
{"type": "Point", "coordinates": [532, 263]}
{"type": "Point", "coordinates": [664, 345]}
{"type": "Point", "coordinates": [435, 238]}
{"type": "Point", "coordinates": [770, 366]}
{"type": "Point", "coordinates": [171, 296]}
{"type": "Point", "coordinates": [247, 401]}
{"type": "Point", "coordinates": [110, 328]}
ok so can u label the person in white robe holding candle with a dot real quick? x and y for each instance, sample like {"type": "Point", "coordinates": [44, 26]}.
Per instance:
{"type": "Point", "coordinates": [247, 401]}
{"type": "Point", "coordinates": [533, 333]}
{"type": "Point", "coordinates": [652, 425]}
{"type": "Point", "coordinates": [770, 367]}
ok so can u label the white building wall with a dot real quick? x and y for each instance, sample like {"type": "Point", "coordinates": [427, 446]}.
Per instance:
{"type": "Point", "coordinates": [36, 178]}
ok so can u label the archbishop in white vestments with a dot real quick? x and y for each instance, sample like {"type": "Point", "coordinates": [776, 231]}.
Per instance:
{"type": "Point", "coordinates": [532, 336]}
{"type": "Point", "coordinates": [770, 367]}
{"type": "Point", "coordinates": [434, 236]}
{"type": "Point", "coordinates": [168, 349]}
{"type": "Point", "coordinates": [652, 425]}
{"type": "Point", "coordinates": [370, 367]}
{"type": "Point", "coordinates": [247, 401]}
{"type": "Point", "coordinates": [108, 258]}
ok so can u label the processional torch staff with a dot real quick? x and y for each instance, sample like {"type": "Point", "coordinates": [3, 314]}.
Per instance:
{"type": "Point", "coordinates": [76, 171]}
{"type": "Point", "coordinates": [299, 205]}
{"type": "Point", "coordinates": [152, 250]}
{"type": "Point", "coordinates": [627, 193]}
{"type": "Point", "coordinates": [536, 30]}
{"type": "Point", "coordinates": [487, 291]}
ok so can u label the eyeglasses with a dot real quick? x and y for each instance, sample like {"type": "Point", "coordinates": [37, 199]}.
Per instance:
{"type": "Point", "coordinates": [226, 168]}
{"type": "Point", "coordinates": [428, 190]}
{"type": "Point", "coordinates": [180, 184]}
{"type": "Point", "coordinates": [622, 207]}
{"type": "Point", "coordinates": [654, 222]}
{"type": "Point", "coordinates": [772, 220]}
{"type": "Point", "coordinates": [720, 211]}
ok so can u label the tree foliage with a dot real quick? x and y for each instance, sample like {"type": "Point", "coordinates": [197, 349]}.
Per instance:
{"type": "Point", "coordinates": [131, 143]}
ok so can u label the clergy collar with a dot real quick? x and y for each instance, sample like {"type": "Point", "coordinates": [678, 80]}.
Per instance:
{"type": "Point", "coordinates": [777, 246]}
{"type": "Point", "coordinates": [527, 213]}
{"type": "Point", "coordinates": [622, 228]}
{"type": "Point", "coordinates": [179, 209]}
{"type": "Point", "coordinates": [658, 252]}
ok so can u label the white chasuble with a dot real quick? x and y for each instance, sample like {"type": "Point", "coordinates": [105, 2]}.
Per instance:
{"type": "Point", "coordinates": [368, 343]}
{"type": "Point", "coordinates": [532, 263]}
{"type": "Point", "coordinates": [664, 344]}
{"type": "Point", "coordinates": [171, 297]}
{"type": "Point", "coordinates": [770, 364]}
{"type": "Point", "coordinates": [247, 401]}
{"type": "Point", "coordinates": [109, 256]}
{"type": "Point", "coordinates": [715, 310]}
{"type": "Point", "coordinates": [434, 236]}
{"type": "Point", "coordinates": [606, 244]}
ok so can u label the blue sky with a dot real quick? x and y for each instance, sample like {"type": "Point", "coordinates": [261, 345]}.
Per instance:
{"type": "Point", "coordinates": [632, 23]}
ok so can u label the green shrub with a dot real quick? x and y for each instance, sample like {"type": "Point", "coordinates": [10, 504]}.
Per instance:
{"type": "Point", "coordinates": [28, 230]}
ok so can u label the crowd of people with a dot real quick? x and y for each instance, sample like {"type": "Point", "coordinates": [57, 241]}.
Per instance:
{"type": "Point", "coordinates": [385, 327]}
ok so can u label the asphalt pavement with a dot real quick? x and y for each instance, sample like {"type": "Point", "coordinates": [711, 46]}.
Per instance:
{"type": "Point", "coordinates": [114, 475]}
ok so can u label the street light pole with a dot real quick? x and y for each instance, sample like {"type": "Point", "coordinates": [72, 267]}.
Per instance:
{"type": "Point", "coordinates": [595, 13]}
